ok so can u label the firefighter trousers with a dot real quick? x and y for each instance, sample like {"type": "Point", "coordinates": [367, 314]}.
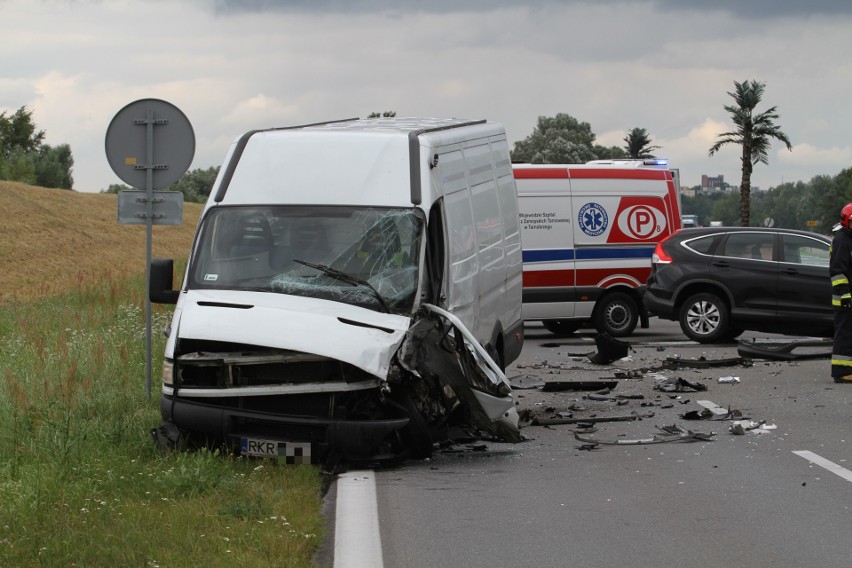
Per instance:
{"type": "Point", "coordinates": [841, 353]}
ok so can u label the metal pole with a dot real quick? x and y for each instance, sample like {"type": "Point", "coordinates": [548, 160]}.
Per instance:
{"type": "Point", "coordinates": [149, 223]}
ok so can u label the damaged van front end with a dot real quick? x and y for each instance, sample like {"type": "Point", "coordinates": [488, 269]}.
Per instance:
{"type": "Point", "coordinates": [306, 359]}
{"type": "Point", "coordinates": [384, 388]}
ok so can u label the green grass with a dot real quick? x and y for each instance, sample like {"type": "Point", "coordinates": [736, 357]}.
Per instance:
{"type": "Point", "coordinates": [81, 483]}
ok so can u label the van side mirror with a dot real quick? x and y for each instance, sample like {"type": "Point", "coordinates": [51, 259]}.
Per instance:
{"type": "Point", "coordinates": [160, 282]}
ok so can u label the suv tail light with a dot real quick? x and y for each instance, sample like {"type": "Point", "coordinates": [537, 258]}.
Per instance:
{"type": "Point", "coordinates": [660, 255]}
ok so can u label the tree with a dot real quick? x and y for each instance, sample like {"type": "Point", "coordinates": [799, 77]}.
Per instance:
{"type": "Point", "coordinates": [196, 184]}
{"type": "Point", "coordinates": [561, 139]}
{"type": "Point", "coordinates": [24, 158]}
{"type": "Point", "coordinates": [754, 133]}
{"type": "Point", "coordinates": [639, 144]}
{"type": "Point", "coordinates": [53, 167]}
{"type": "Point", "coordinates": [18, 130]}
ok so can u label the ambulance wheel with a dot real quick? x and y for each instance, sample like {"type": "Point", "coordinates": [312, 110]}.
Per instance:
{"type": "Point", "coordinates": [561, 327]}
{"type": "Point", "coordinates": [616, 314]}
{"type": "Point", "coordinates": [705, 318]}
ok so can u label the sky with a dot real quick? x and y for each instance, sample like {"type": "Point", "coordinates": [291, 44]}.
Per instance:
{"type": "Point", "coordinates": [236, 65]}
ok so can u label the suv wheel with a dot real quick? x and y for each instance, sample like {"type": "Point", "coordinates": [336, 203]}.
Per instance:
{"type": "Point", "coordinates": [705, 318]}
{"type": "Point", "coordinates": [616, 314]}
{"type": "Point", "coordinates": [561, 327]}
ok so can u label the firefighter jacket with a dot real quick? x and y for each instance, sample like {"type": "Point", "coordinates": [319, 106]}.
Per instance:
{"type": "Point", "coordinates": [840, 269]}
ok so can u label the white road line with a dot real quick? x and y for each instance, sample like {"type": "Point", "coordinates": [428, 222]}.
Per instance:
{"type": "Point", "coordinates": [357, 541]}
{"type": "Point", "coordinates": [824, 463]}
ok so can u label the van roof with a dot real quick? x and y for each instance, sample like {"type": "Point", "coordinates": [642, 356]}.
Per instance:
{"type": "Point", "coordinates": [344, 153]}
{"type": "Point", "coordinates": [388, 124]}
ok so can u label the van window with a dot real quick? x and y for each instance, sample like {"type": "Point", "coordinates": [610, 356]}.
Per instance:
{"type": "Point", "coordinates": [297, 249]}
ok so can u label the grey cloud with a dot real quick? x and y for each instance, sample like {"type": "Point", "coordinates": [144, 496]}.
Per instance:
{"type": "Point", "coordinates": [760, 9]}
{"type": "Point", "coordinates": [748, 9]}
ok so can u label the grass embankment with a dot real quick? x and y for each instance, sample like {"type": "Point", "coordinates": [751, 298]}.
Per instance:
{"type": "Point", "coordinates": [80, 480]}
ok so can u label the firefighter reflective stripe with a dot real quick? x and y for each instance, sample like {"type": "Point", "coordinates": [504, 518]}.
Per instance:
{"type": "Point", "coordinates": [839, 279]}
{"type": "Point", "coordinates": [835, 299]}
{"type": "Point", "coordinates": [841, 360]}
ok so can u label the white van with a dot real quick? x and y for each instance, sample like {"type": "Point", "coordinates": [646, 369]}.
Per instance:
{"type": "Point", "coordinates": [353, 290]}
{"type": "Point", "coordinates": [588, 233]}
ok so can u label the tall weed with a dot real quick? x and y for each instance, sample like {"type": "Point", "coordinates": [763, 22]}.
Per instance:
{"type": "Point", "coordinates": [80, 480]}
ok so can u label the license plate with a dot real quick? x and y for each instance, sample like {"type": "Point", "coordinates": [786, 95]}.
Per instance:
{"type": "Point", "coordinates": [286, 453]}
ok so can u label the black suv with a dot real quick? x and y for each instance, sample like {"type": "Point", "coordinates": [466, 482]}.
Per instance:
{"type": "Point", "coordinates": [721, 281]}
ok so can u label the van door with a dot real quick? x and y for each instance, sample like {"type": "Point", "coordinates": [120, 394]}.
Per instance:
{"type": "Point", "coordinates": [461, 286]}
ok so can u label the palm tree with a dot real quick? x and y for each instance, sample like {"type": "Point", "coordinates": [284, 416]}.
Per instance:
{"type": "Point", "coordinates": [754, 133]}
{"type": "Point", "coordinates": [639, 144]}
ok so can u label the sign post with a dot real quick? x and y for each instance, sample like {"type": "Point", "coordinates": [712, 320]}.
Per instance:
{"type": "Point", "coordinates": [149, 145]}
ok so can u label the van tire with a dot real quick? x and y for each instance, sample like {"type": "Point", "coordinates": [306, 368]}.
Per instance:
{"type": "Point", "coordinates": [705, 318]}
{"type": "Point", "coordinates": [561, 327]}
{"type": "Point", "coordinates": [616, 314]}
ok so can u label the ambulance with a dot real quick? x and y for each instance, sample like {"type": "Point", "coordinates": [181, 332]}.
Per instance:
{"type": "Point", "coordinates": [588, 232]}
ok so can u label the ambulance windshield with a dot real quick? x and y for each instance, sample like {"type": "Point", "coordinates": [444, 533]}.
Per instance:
{"type": "Point", "coordinates": [365, 256]}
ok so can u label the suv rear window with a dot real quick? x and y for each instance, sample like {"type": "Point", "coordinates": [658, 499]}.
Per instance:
{"type": "Point", "coordinates": [702, 245]}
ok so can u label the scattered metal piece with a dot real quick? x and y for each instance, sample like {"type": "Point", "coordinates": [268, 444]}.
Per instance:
{"type": "Point", "coordinates": [669, 435]}
{"type": "Point", "coordinates": [707, 414]}
{"type": "Point", "coordinates": [782, 352]}
{"type": "Point", "coordinates": [557, 386]}
{"type": "Point", "coordinates": [520, 382]}
{"type": "Point", "coordinates": [702, 362]}
{"type": "Point", "coordinates": [591, 420]}
{"type": "Point", "coordinates": [679, 384]}
{"type": "Point", "coordinates": [729, 380]}
{"type": "Point", "coordinates": [609, 349]}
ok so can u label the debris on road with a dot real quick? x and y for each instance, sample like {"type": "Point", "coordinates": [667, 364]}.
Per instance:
{"type": "Point", "coordinates": [669, 434]}
{"type": "Point", "coordinates": [521, 382]}
{"type": "Point", "coordinates": [674, 363]}
{"type": "Point", "coordinates": [707, 414]}
{"type": "Point", "coordinates": [591, 419]}
{"type": "Point", "coordinates": [557, 386]}
{"type": "Point", "coordinates": [678, 384]}
{"type": "Point", "coordinates": [740, 427]}
{"type": "Point", "coordinates": [729, 380]}
{"type": "Point", "coordinates": [609, 349]}
{"type": "Point", "coordinates": [783, 352]}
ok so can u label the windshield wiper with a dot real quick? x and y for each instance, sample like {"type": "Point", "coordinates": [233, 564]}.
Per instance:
{"type": "Point", "coordinates": [346, 277]}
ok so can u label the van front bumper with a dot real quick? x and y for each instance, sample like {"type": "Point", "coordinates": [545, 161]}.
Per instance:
{"type": "Point", "coordinates": [355, 440]}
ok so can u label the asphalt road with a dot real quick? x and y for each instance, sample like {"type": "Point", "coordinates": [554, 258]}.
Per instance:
{"type": "Point", "coordinates": [770, 497]}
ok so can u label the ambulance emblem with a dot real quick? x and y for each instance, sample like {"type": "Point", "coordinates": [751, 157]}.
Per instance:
{"type": "Point", "coordinates": [592, 219]}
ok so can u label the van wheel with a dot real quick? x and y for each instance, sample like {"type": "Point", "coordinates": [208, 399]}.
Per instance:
{"type": "Point", "coordinates": [616, 314]}
{"type": "Point", "coordinates": [561, 327]}
{"type": "Point", "coordinates": [705, 318]}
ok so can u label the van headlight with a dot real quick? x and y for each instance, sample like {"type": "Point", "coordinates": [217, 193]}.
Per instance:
{"type": "Point", "coordinates": [168, 372]}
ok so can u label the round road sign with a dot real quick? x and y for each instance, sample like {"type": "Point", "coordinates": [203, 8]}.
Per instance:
{"type": "Point", "coordinates": [171, 145]}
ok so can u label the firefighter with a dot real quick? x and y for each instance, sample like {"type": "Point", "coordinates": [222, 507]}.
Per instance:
{"type": "Point", "coordinates": [840, 271]}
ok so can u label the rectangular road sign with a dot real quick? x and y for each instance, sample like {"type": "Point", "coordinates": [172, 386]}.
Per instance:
{"type": "Point", "coordinates": [133, 207]}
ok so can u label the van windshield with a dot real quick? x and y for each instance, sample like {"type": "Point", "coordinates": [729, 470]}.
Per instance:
{"type": "Point", "coordinates": [365, 256]}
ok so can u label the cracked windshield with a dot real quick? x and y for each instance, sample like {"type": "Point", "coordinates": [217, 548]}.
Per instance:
{"type": "Point", "coordinates": [364, 256]}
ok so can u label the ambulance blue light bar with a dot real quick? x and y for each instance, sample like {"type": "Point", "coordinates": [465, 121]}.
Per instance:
{"type": "Point", "coordinates": [656, 162]}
